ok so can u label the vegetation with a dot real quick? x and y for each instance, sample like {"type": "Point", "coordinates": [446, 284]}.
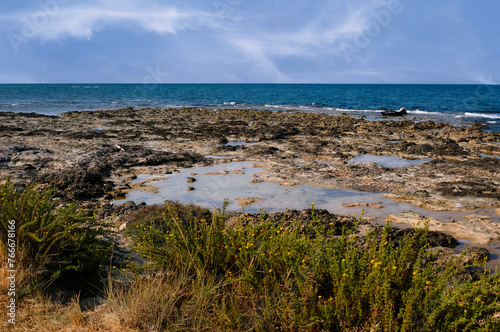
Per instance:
{"type": "Point", "coordinates": [53, 244]}
{"type": "Point", "coordinates": [203, 274]}
{"type": "Point", "coordinates": [301, 276]}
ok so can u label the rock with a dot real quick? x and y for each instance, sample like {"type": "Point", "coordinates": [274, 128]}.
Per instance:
{"type": "Point", "coordinates": [374, 205]}
{"type": "Point", "coordinates": [190, 188]}
{"type": "Point", "coordinates": [109, 209]}
{"type": "Point", "coordinates": [222, 140]}
{"type": "Point", "coordinates": [435, 239]}
{"type": "Point", "coordinates": [108, 185]}
{"type": "Point", "coordinates": [442, 239]}
{"type": "Point", "coordinates": [420, 194]}
{"type": "Point", "coordinates": [480, 231]}
{"type": "Point", "coordinates": [247, 200]}
{"type": "Point", "coordinates": [119, 194]}
{"type": "Point", "coordinates": [475, 254]}
{"type": "Point", "coordinates": [449, 148]}
{"type": "Point", "coordinates": [75, 183]}
{"type": "Point", "coordinates": [469, 188]}
{"type": "Point", "coordinates": [191, 180]}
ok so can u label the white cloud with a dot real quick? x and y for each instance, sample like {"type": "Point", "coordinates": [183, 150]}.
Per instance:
{"type": "Point", "coordinates": [84, 22]}
{"type": "Point", "coordinates": [323, 31]}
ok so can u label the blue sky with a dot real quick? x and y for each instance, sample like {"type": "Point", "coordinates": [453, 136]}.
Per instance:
{"type": "Point", "coordinates": [243, 41]}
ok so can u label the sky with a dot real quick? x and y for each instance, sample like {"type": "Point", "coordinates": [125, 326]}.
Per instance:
{"type": "Point", "coordinates": [243, 41]}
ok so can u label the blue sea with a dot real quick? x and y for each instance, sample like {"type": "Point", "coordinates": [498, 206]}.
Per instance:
{"type": "Point", "coordinates": [456, 104]}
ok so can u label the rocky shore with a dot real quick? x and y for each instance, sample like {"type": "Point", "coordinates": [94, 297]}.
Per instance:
{"type": "Point", "coordinates": [95, 156]}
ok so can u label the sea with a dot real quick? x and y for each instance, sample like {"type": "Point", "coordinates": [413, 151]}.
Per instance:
{"type": "Point", "coordinates": [455, 104]}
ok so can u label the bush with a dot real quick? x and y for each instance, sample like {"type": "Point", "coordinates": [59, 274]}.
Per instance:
{"type": "Point", "coordinates": [62, 244]}
{"type": "Point", "coordinates": [297, 275]}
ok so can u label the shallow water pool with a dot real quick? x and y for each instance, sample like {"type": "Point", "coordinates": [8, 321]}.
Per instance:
{"type": "Point", "coordinates": [387, 161]}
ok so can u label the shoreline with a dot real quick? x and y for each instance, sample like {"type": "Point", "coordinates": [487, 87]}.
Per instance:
{"type": "Point", "coordinates": [95, 155]}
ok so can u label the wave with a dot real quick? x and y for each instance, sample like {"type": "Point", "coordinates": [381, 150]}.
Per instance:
{"type": "Point", "coordinates": [481, 115]}
{"type": "Point", "coordinates": [417, 111]}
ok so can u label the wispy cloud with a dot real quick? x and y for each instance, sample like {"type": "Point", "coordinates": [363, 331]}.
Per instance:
{"type": "Point", "coordinates": [83, 22]}
{"type": "Point", "coordinates": [316, 37]}
{"type": "Point", "coordinates": [274, 41]}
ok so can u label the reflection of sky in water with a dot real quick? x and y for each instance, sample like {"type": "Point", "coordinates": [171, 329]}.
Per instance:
{"type": "Point", "coordinates": [211, 190]}
{"type": "Point", "coordinates": [490, 155]}
{"type": "Point", "coordinates": [239, 143]}
{"type": "Point", "coordinates": [387, 161]}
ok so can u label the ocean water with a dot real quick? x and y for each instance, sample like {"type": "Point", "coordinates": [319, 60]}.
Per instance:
{"type": "Point", "coordinates": [456, 104]}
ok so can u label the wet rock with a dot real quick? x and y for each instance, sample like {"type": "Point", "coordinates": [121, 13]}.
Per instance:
{"type": "Point", "coordinates": [243, 201]}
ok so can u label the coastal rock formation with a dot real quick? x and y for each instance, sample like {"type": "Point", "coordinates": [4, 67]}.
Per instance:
{"type": "Point", "coordinates": [97, 153]}
{"type": "Point", "coordinates": [475, 228]}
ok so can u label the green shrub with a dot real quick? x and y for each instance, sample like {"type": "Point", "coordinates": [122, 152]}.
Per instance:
{"type": "Point", "coordinates": [297, 275]}
{"type": "Point", "coordinates": [60, 244]}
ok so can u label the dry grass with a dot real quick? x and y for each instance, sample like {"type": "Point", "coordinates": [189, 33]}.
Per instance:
{"type": "Point", "coordinates": [158, 303]}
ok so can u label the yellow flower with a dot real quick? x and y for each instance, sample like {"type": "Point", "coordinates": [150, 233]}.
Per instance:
{"type": "Point", "coordinates": [270, 271]}
{"type": "Point", "coordinates": [428, 282]}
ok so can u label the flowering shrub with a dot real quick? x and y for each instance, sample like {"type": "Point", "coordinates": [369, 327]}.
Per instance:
{"type": "Point", "coordinates": [301, 275]}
